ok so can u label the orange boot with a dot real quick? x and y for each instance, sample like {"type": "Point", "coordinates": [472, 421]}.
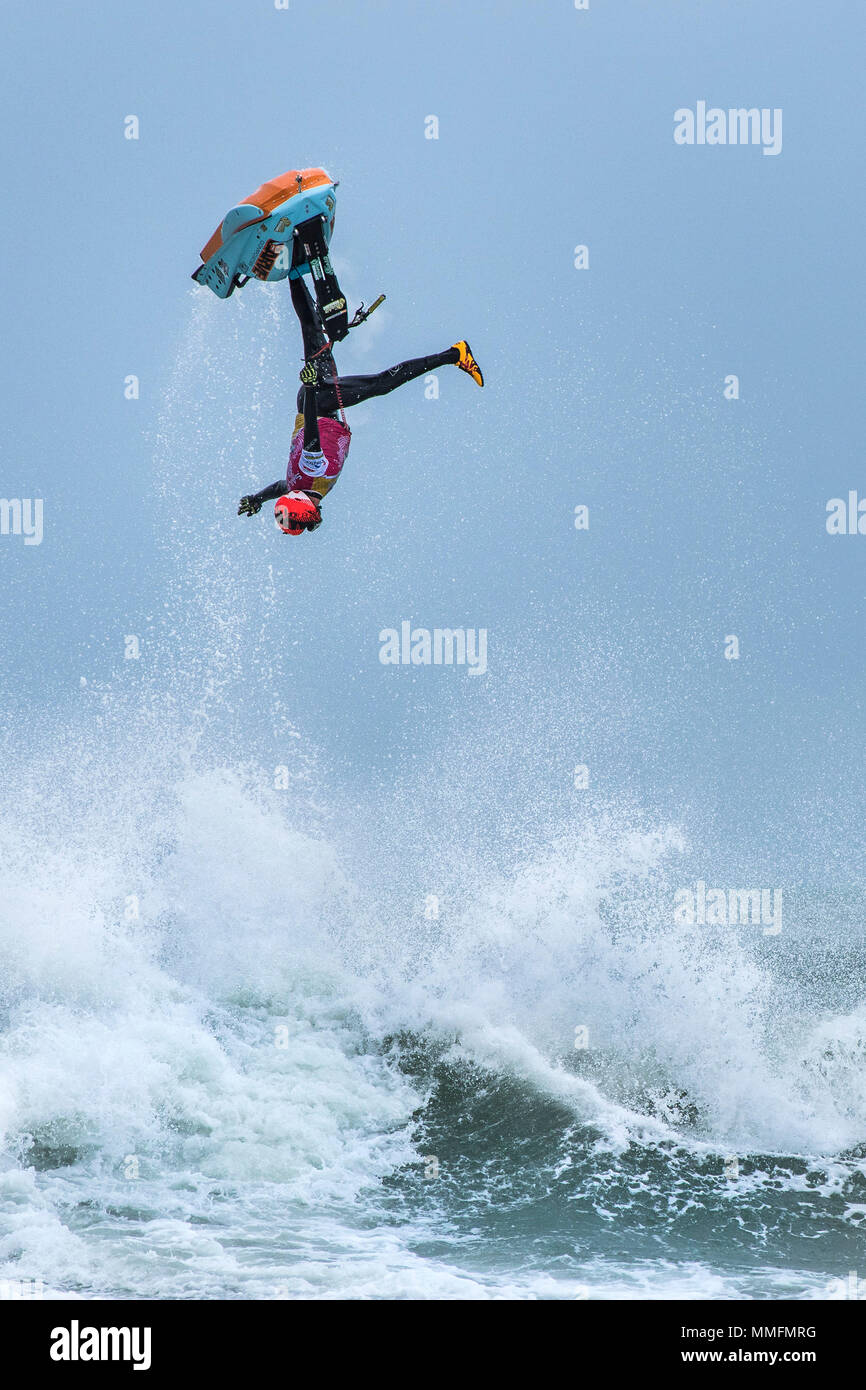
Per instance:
{"type": "Point", "coordinates": [467, 362]}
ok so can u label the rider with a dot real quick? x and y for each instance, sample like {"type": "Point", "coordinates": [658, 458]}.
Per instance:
{"type": "Point", "coordinates": [320, 441]}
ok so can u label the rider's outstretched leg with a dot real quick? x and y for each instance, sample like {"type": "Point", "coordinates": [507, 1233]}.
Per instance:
{"type": "Point", "coordinates": [355, 389]}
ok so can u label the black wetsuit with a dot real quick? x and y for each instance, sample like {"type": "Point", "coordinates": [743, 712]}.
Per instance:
{"type": "Point", "coordinates": [323, 399]}
{"type": "Point", "coordinates": [353, 389]}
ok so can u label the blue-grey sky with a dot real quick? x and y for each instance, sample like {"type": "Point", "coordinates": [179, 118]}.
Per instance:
{"type": "Point", "coordinates": [604, 385]}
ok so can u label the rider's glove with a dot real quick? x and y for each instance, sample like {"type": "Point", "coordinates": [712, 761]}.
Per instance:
{"type": "Point", "coordinates": [249, 506]}
{"type": "Point", "coordinates": [309, 375]}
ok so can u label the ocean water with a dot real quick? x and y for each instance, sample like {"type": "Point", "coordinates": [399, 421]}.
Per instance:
{"type": "Point", "coordinates": [306, 1041]}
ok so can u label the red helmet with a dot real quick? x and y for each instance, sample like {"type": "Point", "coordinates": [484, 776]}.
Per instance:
{"type": "Point", "coordinates": [296, 512]}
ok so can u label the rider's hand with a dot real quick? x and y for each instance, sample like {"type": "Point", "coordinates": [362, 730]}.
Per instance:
{"type": "Point", "coordinates": [249, 506]}
{"type": "Point", "coordinates": [309, 375]}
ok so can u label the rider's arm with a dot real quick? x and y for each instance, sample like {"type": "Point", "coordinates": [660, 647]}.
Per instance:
{"type": "Point", "coordinates": [312, 447]}
{"type": "Point", "coordinates": [312, 452]}
{"type": "Point", "coordinates": [276, 489]}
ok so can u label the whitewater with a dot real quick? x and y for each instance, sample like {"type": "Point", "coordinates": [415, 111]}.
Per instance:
{"type": "Point", "coordinates": [265, 1036]}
